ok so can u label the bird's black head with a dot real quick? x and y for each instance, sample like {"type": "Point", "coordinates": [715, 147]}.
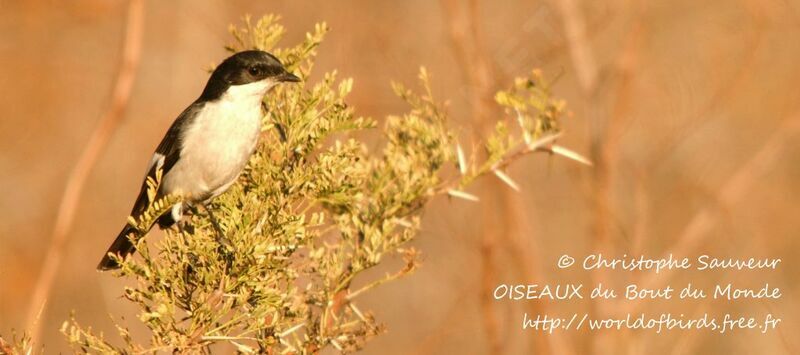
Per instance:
{"type": "Point", "coordinates": [244, 68]}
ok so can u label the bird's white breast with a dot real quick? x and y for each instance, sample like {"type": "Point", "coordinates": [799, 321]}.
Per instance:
{"type": "Point", "coordinates": [218, 143]}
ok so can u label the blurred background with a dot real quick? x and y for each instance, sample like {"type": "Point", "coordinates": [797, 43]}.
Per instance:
{"type": "Point", "coordinates": [689, 110]}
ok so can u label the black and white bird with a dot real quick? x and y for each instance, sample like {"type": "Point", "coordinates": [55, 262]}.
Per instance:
{"type": "Point", "coordinates": [208, 145]}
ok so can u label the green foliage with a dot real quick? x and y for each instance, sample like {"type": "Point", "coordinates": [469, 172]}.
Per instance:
{"type": "Point", "coordinates": [312, 212]}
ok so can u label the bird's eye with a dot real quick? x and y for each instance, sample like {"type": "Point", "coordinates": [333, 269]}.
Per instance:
{"type": "Point", "coordinates": [254, 71]}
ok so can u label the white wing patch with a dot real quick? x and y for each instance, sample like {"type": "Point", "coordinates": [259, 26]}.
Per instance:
{"type": "Point", "coordinates": [157, 161]}
{"type": "Point", "coordinates": [177, 212]}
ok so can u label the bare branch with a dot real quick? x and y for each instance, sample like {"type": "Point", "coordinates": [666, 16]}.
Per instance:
{"type": "Point", "coordinates": [76, 181]}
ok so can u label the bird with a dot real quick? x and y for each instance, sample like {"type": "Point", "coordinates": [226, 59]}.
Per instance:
{"type": "Point", "coordinates": [209, 143]}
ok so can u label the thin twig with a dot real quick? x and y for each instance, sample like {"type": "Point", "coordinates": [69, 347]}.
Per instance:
{"type": "Point", "coordinates": [352, 295]}
{"type": "Point", "coordinates": [578, 44]}
{"type": "Point", "coordinates": [604, 130]}
{"type": "Point", "coordinates": [76, 181]}
{"type": "Point", "coordinates": [724, 93]}
{"type": "Point", "coordinates": [477, 70]}
{"type": "Point", "coordinates": [696, 231]}
{"type": "Point", "coordinates": [481, 75]}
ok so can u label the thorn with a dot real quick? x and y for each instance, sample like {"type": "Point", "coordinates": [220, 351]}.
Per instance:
{"type": "Point", "coordinates": [403, 222]}
{"type": "Point", "coordinates": [290, 330]}
{"type": "Point", "coordinates": [541, 142]}
{"type": "Point", "coordinates": [525, 134]}
{"type": "Point", "coordinates": [357, 311]}
{"type": "Point", "coordinates": [506, 179]}
{"type": "Point", "coordinates": [336, 344]}
{"type": "Point", "coordinates": [462, 165]}
{"type": "Point", "coordinates": [463, 195]}
{"type": "Point", "coordinates": [566, 153]}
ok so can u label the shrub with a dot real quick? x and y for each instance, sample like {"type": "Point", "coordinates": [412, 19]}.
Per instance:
{"type": "Point", "coordinates": [311, 213]}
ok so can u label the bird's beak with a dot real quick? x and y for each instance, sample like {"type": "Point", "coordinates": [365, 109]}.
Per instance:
{"type": "Point", "coordinates": [287, 77]}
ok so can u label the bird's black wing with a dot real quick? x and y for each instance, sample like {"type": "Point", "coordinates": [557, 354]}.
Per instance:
{"type": "Point", "coordinates": [169, 147]}
{"type": "Point", "coordinates": [166, 155]}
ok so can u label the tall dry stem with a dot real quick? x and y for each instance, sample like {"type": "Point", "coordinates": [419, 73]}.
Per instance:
{"type": "Point", "coordinates": [76, 181]}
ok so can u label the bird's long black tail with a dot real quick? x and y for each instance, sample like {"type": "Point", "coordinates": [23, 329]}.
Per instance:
{"type": "Point", "coordinates": [122, 246]}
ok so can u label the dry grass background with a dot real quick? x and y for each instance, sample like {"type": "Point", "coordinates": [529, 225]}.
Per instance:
{"type": "Point", "coordinates": [689, 109]}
